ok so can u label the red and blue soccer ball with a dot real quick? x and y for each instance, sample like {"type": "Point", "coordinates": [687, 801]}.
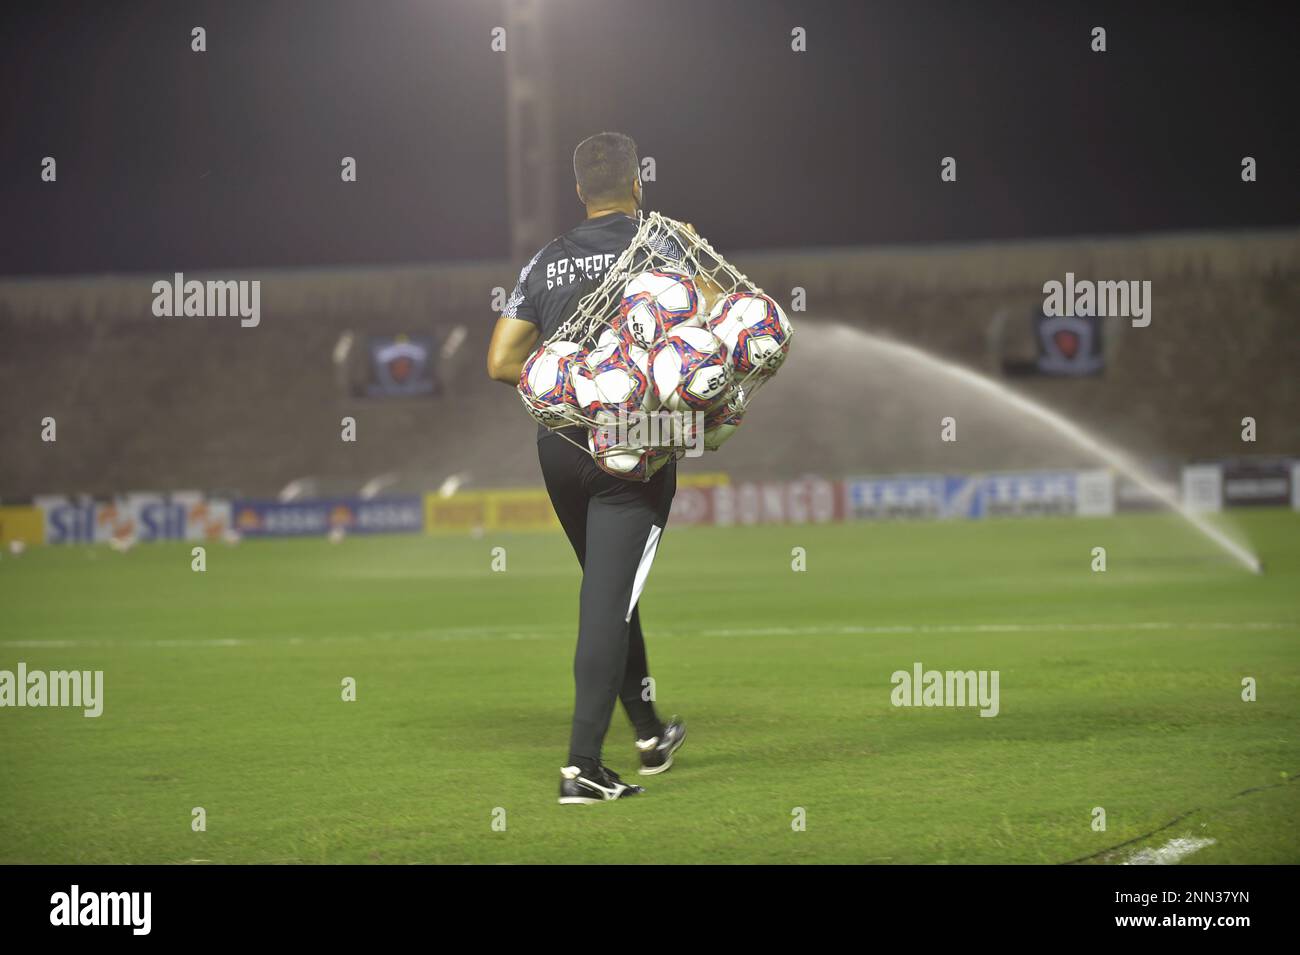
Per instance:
{"type": "Point", "coordinates": [546, 383]}
{"type": "Point", "coordinates": [613, 382]}
{"type": "Point", "coordinates": [690, 369]}
{"type": "Point", "coordinates": [607, 345]}
{"type": "Point", "coordinates": [721, 423]}
{"type": "Point", "coordinates": [755, 331]}
{"type": "Point", "coordinates": [656, 302]}
{"type": "Point", "coordinates": [622, 460]}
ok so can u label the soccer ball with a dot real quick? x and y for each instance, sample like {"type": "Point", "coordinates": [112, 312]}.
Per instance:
{"type": "Point", "coordinates": [755, 331]}
{"type": "Point", "coordinates": [690, 369]}
{"type": "Point", "coordinates": [618, 381]}
{"type": "Point", "coordinates": [721, 423]}
{"type": "Point", "coordinates": [625, 461]}
{"type": "Point", "coordinates": [656, 302]}
{"type": "Point", "coordinates": [608, 342]}
{"type": "Point", "coordinates": [546, 383]}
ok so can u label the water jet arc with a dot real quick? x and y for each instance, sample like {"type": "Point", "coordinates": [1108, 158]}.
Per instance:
{"type": "Point", "coordinates": [1120, 460]}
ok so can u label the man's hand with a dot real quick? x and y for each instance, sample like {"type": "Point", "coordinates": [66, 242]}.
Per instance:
{"type": "Point", "coordinates": [709, 290]}
{"type": "Point", "coordinates": [513, 341]}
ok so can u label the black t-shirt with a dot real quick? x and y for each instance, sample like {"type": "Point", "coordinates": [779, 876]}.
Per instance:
{"type": "Point", "coordinates": [544, 293]}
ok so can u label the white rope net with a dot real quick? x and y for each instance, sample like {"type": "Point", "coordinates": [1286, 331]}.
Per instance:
{"type": "Point", "coordinates": [681, 282]}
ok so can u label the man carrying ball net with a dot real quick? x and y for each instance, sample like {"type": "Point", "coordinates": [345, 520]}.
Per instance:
{"type": "Point", "coordinates": [613, 523]}
{"type": "Point", "coordinates": [652, 347]}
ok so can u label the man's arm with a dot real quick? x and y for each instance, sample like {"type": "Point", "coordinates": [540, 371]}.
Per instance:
{"type": "Point", "coordinates": [513, 341]}
{"type": "Point", "coordinates": [516, 332]}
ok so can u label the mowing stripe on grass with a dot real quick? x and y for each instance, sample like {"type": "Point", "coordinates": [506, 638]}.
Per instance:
{"type": "Point", "coordinates": [538, 633]}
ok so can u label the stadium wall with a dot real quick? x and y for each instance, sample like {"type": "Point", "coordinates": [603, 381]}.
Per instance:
{"type": "Point", "coordinates": [150, 403]}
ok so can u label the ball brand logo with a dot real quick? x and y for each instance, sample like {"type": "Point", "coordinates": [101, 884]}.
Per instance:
{"type": "Point", "coordinates": [211, 299]}
{"type": "Point", "coordinates": [103, 908]}
{"type": "Point", "coordinates": [715, 382]}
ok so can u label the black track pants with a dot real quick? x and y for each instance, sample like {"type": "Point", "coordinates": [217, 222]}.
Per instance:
{"type": "Point", "coordinates": [614, 526]}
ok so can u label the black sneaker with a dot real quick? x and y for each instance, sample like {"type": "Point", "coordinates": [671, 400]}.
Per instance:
{"type": "Point", "coordinates": [657, 752]}
{"type": "Point", "coordinates": [579, 789]}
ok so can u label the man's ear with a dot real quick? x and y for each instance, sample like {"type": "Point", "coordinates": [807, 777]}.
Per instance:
{"type": "Point", "coordinates": [636, 191]}
{"type": "Point", "coordinates": [578, 189]}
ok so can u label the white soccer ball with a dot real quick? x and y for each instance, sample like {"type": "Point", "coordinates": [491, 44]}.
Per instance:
{"type": "Point", "coordinates": [656, 302]}
{"type": "Point", "coordinates": [755, 331]}
{"type": "Point", "coordinates": [610, 384]}
{"type": "Point", "coordinates": [690, 369]}
{"type": "Point", "coordinates": [723, 421]}
{"type": "Point", "coordinates": [546, 383]}
{"type": "Point", "coordinates": [607, 343]}
{"type": "Point", "coordinates": [624, 460]}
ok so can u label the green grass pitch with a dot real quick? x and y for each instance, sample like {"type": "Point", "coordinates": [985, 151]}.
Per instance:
{"type": "Point", "coordinates": [1120, 690]}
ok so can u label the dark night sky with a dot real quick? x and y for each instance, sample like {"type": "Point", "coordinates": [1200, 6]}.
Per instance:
{"type": "Point", "coordinates": [171, 159]}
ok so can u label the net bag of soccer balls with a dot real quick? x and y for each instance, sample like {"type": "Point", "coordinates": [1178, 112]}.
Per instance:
{"type": "Point", "coordinates": [673, 332]}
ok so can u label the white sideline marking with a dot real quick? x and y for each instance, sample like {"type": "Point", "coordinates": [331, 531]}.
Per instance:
{"type": "Point", "coordinates": [514, 632]}
{"type": "Point", "coordinates": [1171, 853]}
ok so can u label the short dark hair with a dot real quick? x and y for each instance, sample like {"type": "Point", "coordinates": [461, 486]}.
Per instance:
{"type": "Point", "coordinates": [605, 166]}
